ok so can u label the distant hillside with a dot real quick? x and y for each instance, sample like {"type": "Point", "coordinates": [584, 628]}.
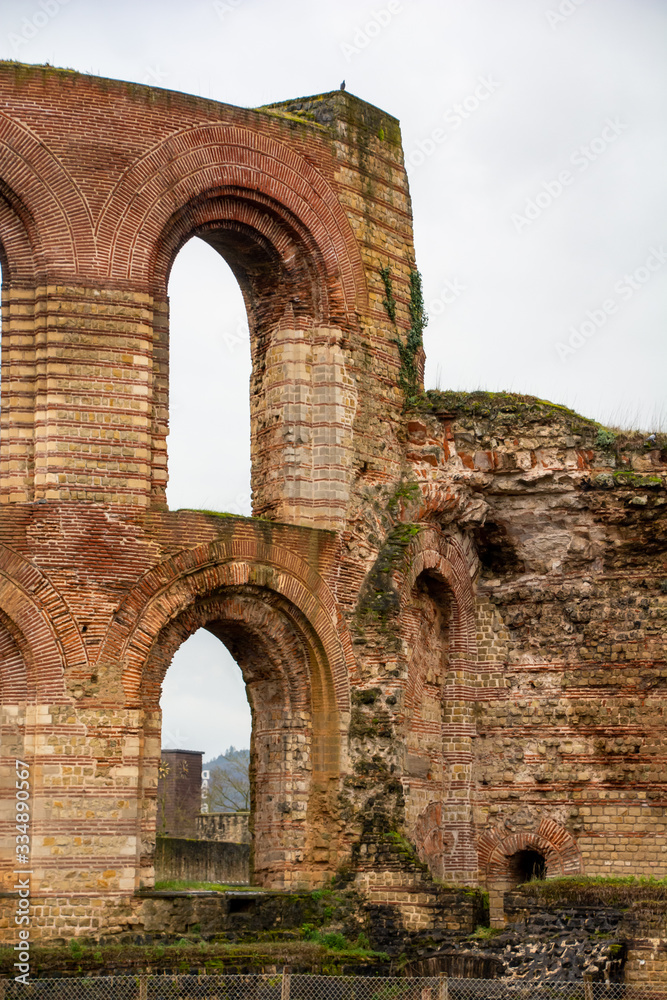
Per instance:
{"type": "Point", "coordinates": [226, 759]}
{"type": "Point", "coordinates": [229, 786]}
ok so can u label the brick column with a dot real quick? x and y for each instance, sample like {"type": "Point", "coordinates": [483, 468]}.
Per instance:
{"type": "Point", "coordinates": [93, 395]}
{"type": "Point", "coordinates": [17, 423]}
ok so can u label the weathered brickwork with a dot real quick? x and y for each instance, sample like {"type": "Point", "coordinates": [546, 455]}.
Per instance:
{"type": "Point", "coordinates": [449, 610]}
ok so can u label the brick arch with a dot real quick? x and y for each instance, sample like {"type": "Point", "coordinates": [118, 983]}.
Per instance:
{"type": "Point", "coordinates": [272, 254]}
{"type": "Point", "coordinates": [42, 627]}
{"type": "Point", "coordinates": [556, 844]}
{"type": "Point", "coordinates": [195, 574]}
{"type": "Point", "coordinates": [50, 195]}
{"type": "Point", "coordinates": [278, 618]}
{"type": "Point", "coordinates": [295, 748]}
{"type": "Point", "coordinates": [246, 619]}
{"type": "Point", "coordinates": [207, 158]}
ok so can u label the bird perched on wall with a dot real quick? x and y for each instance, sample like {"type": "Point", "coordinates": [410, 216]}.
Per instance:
{"type": "Point", "coordinates": [342, 86]}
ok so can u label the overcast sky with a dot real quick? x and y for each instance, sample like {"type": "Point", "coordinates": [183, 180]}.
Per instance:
{"type": "Point", "coordinates": [536, 143]}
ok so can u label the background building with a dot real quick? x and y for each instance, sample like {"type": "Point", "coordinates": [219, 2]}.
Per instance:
{"type": "Point", "coordinates": [179, 790]}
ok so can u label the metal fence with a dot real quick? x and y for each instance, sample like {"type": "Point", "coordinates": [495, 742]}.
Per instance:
{"type": "Point", "coordinates": [285, 986]}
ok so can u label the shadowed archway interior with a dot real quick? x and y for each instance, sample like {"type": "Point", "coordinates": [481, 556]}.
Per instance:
{"type": "Point", "coordinates": [526, 865]}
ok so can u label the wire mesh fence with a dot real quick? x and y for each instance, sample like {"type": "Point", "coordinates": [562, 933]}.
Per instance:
{"type": "Point", "coordinates": [284, 986]}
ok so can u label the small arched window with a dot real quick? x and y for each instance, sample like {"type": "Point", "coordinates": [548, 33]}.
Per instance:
{"type": "Point", "coordinates": [525, 866]}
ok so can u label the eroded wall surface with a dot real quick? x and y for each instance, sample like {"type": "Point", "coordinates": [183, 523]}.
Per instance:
{"type": "Point", "coordinates": [570, 607]}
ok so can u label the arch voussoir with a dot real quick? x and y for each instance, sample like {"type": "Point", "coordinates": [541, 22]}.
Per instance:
{"type": "Point", "coordinates": [553, 841]}
{"type": "Point", "coordinates": [204, 158]}
{"type": "Point", "coordinates": [196, 574]}
{"type": "Point", "coordinates": [43, 627]}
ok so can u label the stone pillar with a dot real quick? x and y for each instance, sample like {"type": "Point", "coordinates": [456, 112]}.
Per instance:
{"type": "Point", "coordinates": [302, 419]}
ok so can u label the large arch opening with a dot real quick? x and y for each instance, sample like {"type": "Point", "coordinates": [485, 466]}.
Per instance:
{"type": "Point", "coordinates": [302, 399]}
{"type": "Point", "coordinates": [294, 755]}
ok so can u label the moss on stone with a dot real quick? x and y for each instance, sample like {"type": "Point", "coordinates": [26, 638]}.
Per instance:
{"type": "Point", "coordinates": [404, 847]}
{"type": "Point", "coordinates": [366, 697]}
{"type": "Point", "coordinates": [598, 890]}
{"type": "Point", "coordinates": [378, 598]}
{"type": "Point", "coordinates": [625, 477]}
{"type": "Point", "coordinates": [508, 412]}
{"type": "Point", "coordinates": [324, 955]}
{"type": "Point", "coordinates": [490, 405]}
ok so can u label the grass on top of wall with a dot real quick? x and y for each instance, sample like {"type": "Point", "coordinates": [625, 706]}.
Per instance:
{"type": "Point", "coordinates": [598, 890]}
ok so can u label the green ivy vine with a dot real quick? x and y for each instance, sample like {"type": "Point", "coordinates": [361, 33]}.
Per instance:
{"type": "Point", "coordinates": [407, 352]}
{"type": "Point", "coordinates": [389, 302]}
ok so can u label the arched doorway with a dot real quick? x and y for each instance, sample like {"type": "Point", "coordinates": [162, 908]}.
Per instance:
{"type": "Point", "coordinates": [427, 620]}
{"type": "Point", "coordinates": [274, 647]}
{"type": "Point", "coordinates": [276, 617]}
{"type": "Point", "coordinates": [439, 642]}
{"type": "Point", "coordinates": [525, 866]}
{"type": "Point", "coordinates": [509, 859]}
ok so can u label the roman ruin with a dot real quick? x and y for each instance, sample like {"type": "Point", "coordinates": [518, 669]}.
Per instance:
{"type": "Point", "coordinates": [448, 608]}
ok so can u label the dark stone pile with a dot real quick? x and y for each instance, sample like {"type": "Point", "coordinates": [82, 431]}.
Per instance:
{"type": "Point", "coordinates": [542, 946]}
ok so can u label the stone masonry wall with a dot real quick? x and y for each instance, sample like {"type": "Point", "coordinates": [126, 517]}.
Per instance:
{"type": "Point", "coordinates": [571, 601]}
{"type": "Point", "coordinates": [230, 827]}
{"type": "Point", "coordinates": [201, 860]}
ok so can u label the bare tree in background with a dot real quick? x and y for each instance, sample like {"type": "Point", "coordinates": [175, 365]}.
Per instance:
{"type": "Point", "coordinates": [229, 783]}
